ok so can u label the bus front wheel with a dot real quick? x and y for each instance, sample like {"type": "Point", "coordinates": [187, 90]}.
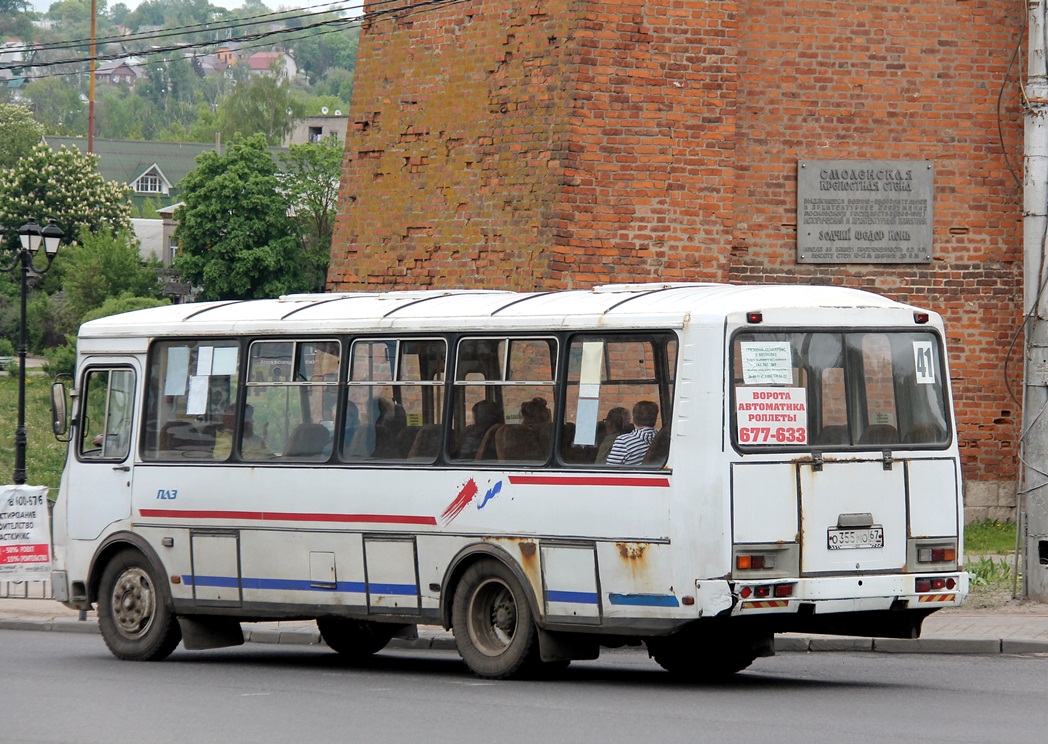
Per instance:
{"type": "Point", "coordinates": [354, 639]}
{"type": "Point", "coordinates": [494, 630]}
{"type": "Point", "coordinates": [134, 610]}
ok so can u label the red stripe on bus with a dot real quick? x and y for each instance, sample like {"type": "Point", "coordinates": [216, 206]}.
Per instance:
{"type": "Point", "coordinates": [287, 516]}
{"type": "Point", "coordinates": [566, 480]}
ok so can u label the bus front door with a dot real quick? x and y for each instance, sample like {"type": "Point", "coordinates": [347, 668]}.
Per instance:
{"type": "Point", "coordinates": [101, 477]}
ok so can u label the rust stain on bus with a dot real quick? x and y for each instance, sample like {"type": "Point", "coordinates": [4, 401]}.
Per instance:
{"type": "Point", "coordinates": [529, 560]}
{"type": "Point", "coordinates": [631, 551]}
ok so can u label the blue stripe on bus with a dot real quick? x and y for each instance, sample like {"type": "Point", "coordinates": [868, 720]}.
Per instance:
{"type": "Point", "coordinates": [573, 597]}
{"type": "Point", "coordinates": [644, 600]}
{"type": "Point", "coordinates": [349, 587]}
{"type": "Point", "coordinates": [354, 587]}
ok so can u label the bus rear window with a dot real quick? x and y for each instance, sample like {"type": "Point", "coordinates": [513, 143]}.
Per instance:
{"type": "Point", "coordinates": [838, 390]}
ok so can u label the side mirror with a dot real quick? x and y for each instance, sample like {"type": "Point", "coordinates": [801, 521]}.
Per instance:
{"type": "Point", "coordinates": [59, 412]}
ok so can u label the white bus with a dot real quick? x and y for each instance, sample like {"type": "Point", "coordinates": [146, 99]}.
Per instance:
{"type": "Point", "coordinates": [693, 467]}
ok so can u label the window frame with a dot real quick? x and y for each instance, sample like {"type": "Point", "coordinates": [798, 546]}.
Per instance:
{"type": "Point", "coordinates": [82, 412]}
{"type": "Point", "coordinates": [855, 391]}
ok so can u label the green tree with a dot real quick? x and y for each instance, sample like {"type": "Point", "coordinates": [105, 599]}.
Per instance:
{"type": "Point", "coordinates": [101, 266]}
{"type": "Point", "coordinates": [118, 114]}
{"type": "Point", "coordinates": [318, 53]}
{"type": "Point", "coordinates": [338, 83]}
{"type": "Point", "coordinates": [118, 14]}
{"type": "Point", "coordinates": [171, 88]}
{"type": "Point", "coordinates": [57, 104]}
{"type": "Point", "coordinates": [63, 185]}
{"type": "Point", "coordinates": [235, 238]}
{"type": "Point", "coordinates": [310, 180]}
{"type": "Point", "coordinates": [19, 132]}
{"type": "Point", "coordinates": [260, 104]}
{"type": "Point", "coordinates": [62, 359]}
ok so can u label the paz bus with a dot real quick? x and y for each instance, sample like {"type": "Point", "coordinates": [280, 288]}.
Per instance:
{"type": "Point", "coordinates": [380, 461]}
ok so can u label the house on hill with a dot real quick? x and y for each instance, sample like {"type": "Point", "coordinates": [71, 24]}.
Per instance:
{"type": "Point", "coordinates": [263, 63]}
{"type": "Point", "coordinates": [153, 170]}
{"type": "Point", "coordinates": [126, 71]}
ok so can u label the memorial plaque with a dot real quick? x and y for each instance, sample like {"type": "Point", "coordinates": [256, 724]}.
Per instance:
{"type": "Point", "coordinates": [864, 211]}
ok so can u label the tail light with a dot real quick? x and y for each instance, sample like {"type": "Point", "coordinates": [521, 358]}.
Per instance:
{"type": "Point", "coordinates": [763, 591]}
{"type": "Point", "coordinates": [754, 562]}
{"type": "Point", "coordinates": [934, 584]}
{"type": "Point", "coordinates": [936, 555]}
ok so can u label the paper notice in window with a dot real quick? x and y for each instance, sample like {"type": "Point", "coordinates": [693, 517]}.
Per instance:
{"type": "Point", "coordinates": [196, 403]}
{"type": "Point", "coordinates": [225, 361]}
{"type": "Point", "coordinates": [767, 363]}
{"type": "Point", "coordinates": [177, 371]}
{"type": "Point", "coordinates": [205, 355]}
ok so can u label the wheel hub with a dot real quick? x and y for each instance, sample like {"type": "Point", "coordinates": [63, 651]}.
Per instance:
{"type": "Point", "coordinates": [134, 602]}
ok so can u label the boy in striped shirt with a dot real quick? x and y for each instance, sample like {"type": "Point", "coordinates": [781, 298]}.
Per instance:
{"type": "Point", "coordinates": [630, 448]}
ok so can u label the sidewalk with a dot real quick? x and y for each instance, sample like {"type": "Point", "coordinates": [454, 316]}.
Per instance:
{"type": "Point", "coordinates": [1014, 628]}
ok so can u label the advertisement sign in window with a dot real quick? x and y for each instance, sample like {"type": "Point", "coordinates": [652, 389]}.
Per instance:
{"type": "Point", "coordinates": [772, 415]}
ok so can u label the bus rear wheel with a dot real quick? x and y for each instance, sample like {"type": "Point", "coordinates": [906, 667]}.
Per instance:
{"type": "Point", "coordinates": [704, 658]}
{"type": "Point", "coordinates": [354, 639]}
{"type": "Point", "coordinates": [494, 630]}
{"type": "Point", "coordinates": [134, 610]}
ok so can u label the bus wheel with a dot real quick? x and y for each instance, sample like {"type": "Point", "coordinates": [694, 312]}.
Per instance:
{"type": "Point", "coordinates": [493, 627]}
{"type": "Point", "coordinates": [702, 660]}
{"type": "Point", "coordinates": [134, 610]}
{"type": "Point", "coordinates": [354, 639]}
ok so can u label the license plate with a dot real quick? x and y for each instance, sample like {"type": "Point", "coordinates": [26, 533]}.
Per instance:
{"type": "Point", "coordinates": [843, 539]}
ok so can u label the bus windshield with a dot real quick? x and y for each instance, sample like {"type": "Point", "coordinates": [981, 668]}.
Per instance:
{"type": "Point", "coordinates": [838, 389]}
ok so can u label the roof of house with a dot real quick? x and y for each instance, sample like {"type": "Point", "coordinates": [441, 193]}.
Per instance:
{"type": "Point", "coordinates": [126, 160]}
{"type": "Point", "coordinates": [262, 60]}
{"type": "Point", "coordinates": [108, 66]}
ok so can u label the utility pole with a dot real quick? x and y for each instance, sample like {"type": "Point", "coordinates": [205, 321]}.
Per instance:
{"type": "Point", "coordinates": [1033, 494]}
{"type": "Point", "coordinates": [91, 81]}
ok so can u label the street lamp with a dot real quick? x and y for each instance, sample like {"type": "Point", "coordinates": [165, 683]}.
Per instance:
{"type": "Point", "coordinates": [30, 235]}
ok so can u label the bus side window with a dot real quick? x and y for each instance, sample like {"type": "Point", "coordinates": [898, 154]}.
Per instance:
{"type": "Point", "coordinates": [292, 388]}
{"type": "Point", "coordinates": [607, 377]}
{"type": "Point", "coordinates": [504, 397]}
{"type": "Point", "coordinates": [394, 404]}
{"type": "Point", "coordinates": [193, 386]}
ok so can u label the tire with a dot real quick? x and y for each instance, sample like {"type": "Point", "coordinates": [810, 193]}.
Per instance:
{"type": "Point", "coordinates": [354, 639]}
{"type": "Point", "coordinates": [494, 630]}
{"type": "Point", "coordinates": [694, 658]}
{"type": "Point", "coordinates": [134, 610]}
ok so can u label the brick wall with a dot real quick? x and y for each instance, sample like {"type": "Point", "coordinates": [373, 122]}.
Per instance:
{"type": "Point", "coordinates": [553, 144]}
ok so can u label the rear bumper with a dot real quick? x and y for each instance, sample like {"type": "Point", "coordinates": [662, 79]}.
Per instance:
{"type": "Point", "coordinates": [844, 595]}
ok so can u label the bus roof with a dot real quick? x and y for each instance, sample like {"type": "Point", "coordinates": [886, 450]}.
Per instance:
{"type": "Point", "coordinates": [619, 306]}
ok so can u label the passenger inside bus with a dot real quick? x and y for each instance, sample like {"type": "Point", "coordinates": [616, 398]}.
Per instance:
{"type": "Point", "coordinates": [630, 448]}
{"type": "Point", "coordinates": [615, 424]}
{"type": "Point", "coordinates": [659, 449]}
{"type": "Point", "coordinates": [252, 446]}
{"type": "Point", "coordinates": [310, 441]}
{"type": "Point", "coordinates": [486, 414]}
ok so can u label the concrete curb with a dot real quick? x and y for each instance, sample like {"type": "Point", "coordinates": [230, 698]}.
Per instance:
{"type": "Point", "coordinates": [783, 644]}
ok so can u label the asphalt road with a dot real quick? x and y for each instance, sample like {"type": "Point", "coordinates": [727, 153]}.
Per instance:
{"type": "Point", "coordinates": [65, 687]}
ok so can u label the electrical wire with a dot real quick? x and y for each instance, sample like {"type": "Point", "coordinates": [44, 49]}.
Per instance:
{"type": "Point", "coordinates": [204, 49]}
{"type": "Point", "coordinates": [221, 25]}
{"type": "Point", "coordinates": [1000, 100]}
{"type": "Point", "coordinates": [252, 39]}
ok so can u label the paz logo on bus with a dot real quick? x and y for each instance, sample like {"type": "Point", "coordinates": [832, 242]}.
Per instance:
{"type": "Point", "coordinates": [167, 494]}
